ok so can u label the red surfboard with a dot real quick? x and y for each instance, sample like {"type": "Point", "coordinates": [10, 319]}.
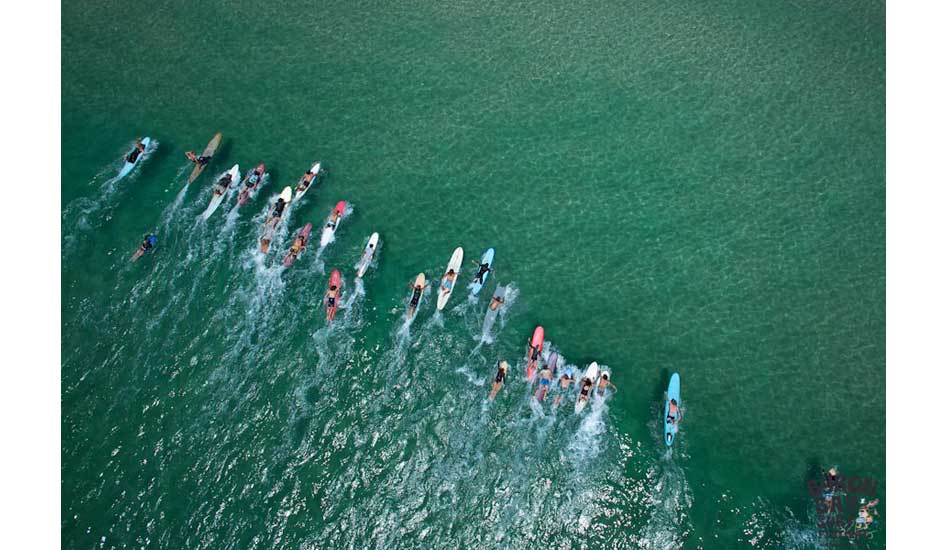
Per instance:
{"type": "Point", "coordinates": [534, 351]}
{"type": "Point", "coordinates": [331, 308]}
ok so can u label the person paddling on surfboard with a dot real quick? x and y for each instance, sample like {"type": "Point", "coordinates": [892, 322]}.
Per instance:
{"type": "Point", "coordinates": [276, 212]}
{"type": "Point", "coordinates": [586, 386]}
{"type": "Point", "coordinates": [299, 243]}
{"type": "Point", "coordinates": [483, 269]}
{"type": "Point", "coordinates": [500, 376]}
{"type": "Point", "coordinates": [223, 184]}
{"type": "Point", "coordinates": [605, 381]}
{"type": "Point", "coordinates": [448, 281]}
{"type": "Point", "coordinates": [139, 149]}
{"type": "Point", "coordinates": [332, 294]}
{"type": "Point", "coordinates": [496, 302]}
{"type": "Point", "coordinates": [566, 383]}
{"type": "Point", "coordinates": [674, 416]}
{"type": "Point", "coordinates": [334, 218]}
{"type": "Point", "coordinates": [200, 161]}
{"type": "Point", "coordinates": [305, 182]}
{"type": "Point", "coordinates": [147, 244]}
{"type": "Point", "coordinates": [255, 177]}
{"type": "Point", "coordinates": [416, 294]}
{"type": "Point", "coordinates": [545, 381]}
{"type": "Point", "coordinates": [535, 353]}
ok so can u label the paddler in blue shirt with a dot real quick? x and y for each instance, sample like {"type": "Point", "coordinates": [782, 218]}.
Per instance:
{"type": "Point", "coordinates": [448, 280]}
{"type": "Point", "coordinates": [545, 381]}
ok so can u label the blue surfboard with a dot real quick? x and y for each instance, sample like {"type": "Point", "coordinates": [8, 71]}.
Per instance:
{"type": "Point", "coordinates": [672, 392]}
{"type": "Point", "coordinates": [487, 258]}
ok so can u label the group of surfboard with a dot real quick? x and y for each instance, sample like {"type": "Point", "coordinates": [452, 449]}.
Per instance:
{"type": "Point", "coordinates": [231, 181]}
{"type": "Point", "coordinates": [595, 380]}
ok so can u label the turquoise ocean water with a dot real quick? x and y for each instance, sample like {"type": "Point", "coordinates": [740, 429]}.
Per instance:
{"type": "Point", "coordinates": [689, 187]}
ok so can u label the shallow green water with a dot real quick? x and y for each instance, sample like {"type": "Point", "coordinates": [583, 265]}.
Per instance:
{"type": "Point", "coordinates": [695, 187]}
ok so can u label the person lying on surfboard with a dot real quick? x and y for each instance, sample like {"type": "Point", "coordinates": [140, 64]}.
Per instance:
{"type": "Point", "coordinates": [305, 182]}
{"type": "Point", "coordinates": [334, 218]}
{"type": "Point", "coordinates": [674, 416]}
{"type": "Point", "coordinates": [566, 383]}
{"type": "Point", "coordinates": [496, 302]}
{"type": "Point", "coordinates": [483, 269]}
{"type": "Point", "coordinates": [332, 294]}
{"type": "Point", "coordinates": [500, 376]}
{"type": "Point", "coordinates": [535, 352]}
{"type": "Point", "coordinates": [276, 212]}
{"type": "Point", "coordinates": [545, 381]}
{"type": "Point", "coordinates": [605, 381]}
{"type": "Point", "coordinates": [200, 161]}
{"type": "Point", "coordinates": [586, 386]}
{"type": "Point", "coordinates": [416, 294]}
{"type": "Point", "coordinates": [223, 184]}
{"type": "Point", "coordinates": [253, 178]}
{"type": "Point", "coordinates": [139, 149]}
{"type": "Point", "coordinates": [448, 281]}
{"type": "Point", "coordinates": [299, 243]}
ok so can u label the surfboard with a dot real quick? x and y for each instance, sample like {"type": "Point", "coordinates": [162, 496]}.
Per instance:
{"type": "Point", "coordinates": [216, 197]}
{"type": "Point", "coordinates": [315, 170]}
{"type": "Point", "coordinates": [672, 392]}
{"type": "Point", "coordinates": [368, 252]}
{"type": "Point", "coordinates": [537, 342]}
{"type": "Point", "coordinates": [330, 227]}
{"type": "Point", "coordinates": [487, 258]}
{"type": "Point", "coordinates": [128, 166]}
{"type": "Point", "coordinates": [446, 287]}
{"type": "Point", "coordinates": [590, 374]}
{"type": "Point", "coordinates": [290, 258]}
{"type": "Point", "coordinates": [208, 152]}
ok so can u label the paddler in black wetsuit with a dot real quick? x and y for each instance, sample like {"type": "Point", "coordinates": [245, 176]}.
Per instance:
{"type": "Point", "coordinates": [277, 211]}
{"type": "Point", "coordinates": [483, 270]}
{"type": "Point", "coordinates": [223, 184]}
{"type": "Point", "coordinates": [200, 161]}
{"type": "Point", "coordinates": [500, 376]}
{"type": "Point", "coordinates": [139, 149]}
{"type": "Point", "coordinates": [416, 294]}
{"type": "Point", "coordinates": [586, 386]}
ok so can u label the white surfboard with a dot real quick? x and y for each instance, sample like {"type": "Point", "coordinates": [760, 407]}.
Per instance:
{"type": "Point", "coordinates": [454, 265]}
{"type": "Point", "coordinates": [315, 170]}
{"type": "Point", "coordinates": [367, 255]}
{"type": "Point", "coordinates": [590, 374]}
{"type": "Point", "coordinates": [217, 199]}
